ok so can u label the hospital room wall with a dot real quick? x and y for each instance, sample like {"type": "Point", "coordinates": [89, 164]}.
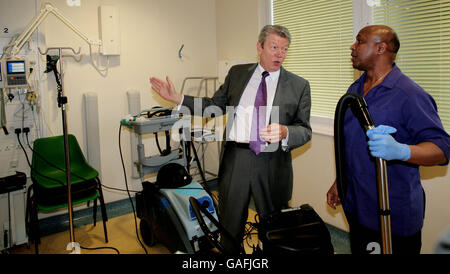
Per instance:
{"type": "Point", "coordinates": [231, 28]}
{"type": "Point", "coordinates": [152, 32]}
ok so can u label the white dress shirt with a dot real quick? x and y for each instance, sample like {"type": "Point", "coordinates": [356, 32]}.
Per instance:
{"type": "Point", "coordinates": [242, 123]}
{"type": "Point", "coordinates": [241, 128]}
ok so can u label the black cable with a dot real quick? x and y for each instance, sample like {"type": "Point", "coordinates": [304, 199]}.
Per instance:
{"type": "Point", "coordinates": [256, 216]}
{"type": "Point", "coordinates": [129, 195]}
{"type": "Point", "coordinates": [32, 168]}
{"type": "Point", "coordinates": [157, 144]}
{"type": "Point", "coordinates": [158, 112]}
{"type": "Point", "coordinates": [119, 189]}
{"type": "Point", "coordinates": [248, 232]}
{"type": "Point", "coordinates": [24, 151]}
{"type": "Point", "coordinates": [96, 248]}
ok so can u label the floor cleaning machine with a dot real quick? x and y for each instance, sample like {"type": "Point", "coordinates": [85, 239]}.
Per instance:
{"type": "Point", "coordinates": [163, 207]}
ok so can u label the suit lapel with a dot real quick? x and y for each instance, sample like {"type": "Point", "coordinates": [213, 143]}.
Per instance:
{"type": "Point", "coordinates": [242, 84]}
{"type": "Point", "coordinates": [280, 86]}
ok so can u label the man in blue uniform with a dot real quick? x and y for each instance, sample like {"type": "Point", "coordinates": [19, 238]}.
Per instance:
{"type": "Point", "coordinates": [409, 133]}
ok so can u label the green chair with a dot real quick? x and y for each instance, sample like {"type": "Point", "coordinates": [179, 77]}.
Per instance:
{"type": "Point", "coordinates": [48, 191]}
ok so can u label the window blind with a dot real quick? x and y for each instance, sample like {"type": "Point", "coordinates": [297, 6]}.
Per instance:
{"type": "Point", "coordinates": [322, 32]}
{"type": "Point", "coordinates": [423, 27]}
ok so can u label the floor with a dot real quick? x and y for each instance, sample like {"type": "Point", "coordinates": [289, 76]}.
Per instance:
{"type": "Point", "coordinates": [121, 234]}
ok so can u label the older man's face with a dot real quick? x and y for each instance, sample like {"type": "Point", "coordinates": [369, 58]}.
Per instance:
{"type": "Point", "coordinates": [272, 55]}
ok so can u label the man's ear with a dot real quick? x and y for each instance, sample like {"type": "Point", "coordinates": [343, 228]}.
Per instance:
{"type": "Point", "coordinates": [259, 47]}
{"type": "Point", "coordinates": [382, 48]}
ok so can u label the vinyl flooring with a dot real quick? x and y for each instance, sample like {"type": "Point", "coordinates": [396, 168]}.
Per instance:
{"type": "Point", "coordinates": [121, 234]}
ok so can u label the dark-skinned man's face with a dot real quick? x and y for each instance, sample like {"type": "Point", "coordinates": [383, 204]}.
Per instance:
{"type": "Point", "coordinates": [364, 50]}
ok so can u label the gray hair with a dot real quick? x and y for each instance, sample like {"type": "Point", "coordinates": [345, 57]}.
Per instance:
{"type": "Point", "coordinates": [276, 29]}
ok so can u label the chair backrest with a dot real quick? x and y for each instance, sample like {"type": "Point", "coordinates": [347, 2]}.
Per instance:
{"type": "Point", "coordinates": [49, 152]}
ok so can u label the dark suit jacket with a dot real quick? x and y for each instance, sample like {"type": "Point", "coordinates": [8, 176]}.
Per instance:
{"type": "Point", "coordinates": [292, 96]}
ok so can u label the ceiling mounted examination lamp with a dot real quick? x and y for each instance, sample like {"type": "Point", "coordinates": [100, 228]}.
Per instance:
{"type": "Point", "coordinates": [14, 47]}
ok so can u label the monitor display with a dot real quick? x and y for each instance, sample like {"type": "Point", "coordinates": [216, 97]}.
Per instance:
{"type": "Point", "coordinates": [15, 67]}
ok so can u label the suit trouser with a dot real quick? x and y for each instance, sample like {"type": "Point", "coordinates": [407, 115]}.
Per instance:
{"type": "Point", "coordinates": [242, 175]}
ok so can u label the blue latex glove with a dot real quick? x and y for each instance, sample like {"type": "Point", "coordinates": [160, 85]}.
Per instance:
{"type": "Point", "coordinates": [383, 145]}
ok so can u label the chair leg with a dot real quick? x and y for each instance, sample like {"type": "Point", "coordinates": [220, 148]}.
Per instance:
{"type": "Point", "coordinates": [104, 218]}
{"type": "Point", "coordinates": [35, 226]}
{"type": "Point", "coordinates": [28, 214]}
{"type": "Point", "coordinates": [103, 209]}
{"type": "Point", "coordinates": [95, 211]}
{"type": "Point", "coordinates": [27, 209]}
{"type": "Point", "coordinates": [32, 220]}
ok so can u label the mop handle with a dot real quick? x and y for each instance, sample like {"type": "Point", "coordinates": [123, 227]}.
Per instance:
{"type": "Point", "coordinates": [383, 202]}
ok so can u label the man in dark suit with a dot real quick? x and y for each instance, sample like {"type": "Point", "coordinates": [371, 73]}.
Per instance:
{"type": "Point", "coordinates": [255, 165]}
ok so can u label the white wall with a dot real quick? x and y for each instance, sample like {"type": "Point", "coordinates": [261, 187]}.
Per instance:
{"type": "Point", "coordinates": [151, 34]}
{"type": "Point", "coordinates": [237, 29]}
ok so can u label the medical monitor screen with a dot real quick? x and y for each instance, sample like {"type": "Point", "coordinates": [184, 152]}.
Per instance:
{"type": "Point", "coordinates": [15, 67]}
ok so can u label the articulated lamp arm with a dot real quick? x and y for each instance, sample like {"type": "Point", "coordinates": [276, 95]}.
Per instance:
{"type": "Point", "coordinates": [48, 8]}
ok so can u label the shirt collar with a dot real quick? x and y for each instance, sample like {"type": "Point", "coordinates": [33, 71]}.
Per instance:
{"type": "Point", "coordinates": [392, 77]}
{"type": "Point", "coordinates": [272, 75]}
{"type": "Point", "coordinates": [388, 81]}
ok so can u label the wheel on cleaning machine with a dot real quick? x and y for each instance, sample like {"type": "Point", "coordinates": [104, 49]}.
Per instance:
{"type": "Point", "coordinates": [147, 234]}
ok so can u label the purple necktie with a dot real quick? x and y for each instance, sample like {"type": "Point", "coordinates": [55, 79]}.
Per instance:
{"type": "Point", "coordinates": [259, 117]}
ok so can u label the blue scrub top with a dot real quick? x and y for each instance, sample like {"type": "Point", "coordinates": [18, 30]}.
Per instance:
{"type": "Point", "coordinates": [404, 105]}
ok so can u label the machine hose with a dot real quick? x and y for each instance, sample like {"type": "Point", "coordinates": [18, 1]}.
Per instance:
{"type": "Point", "coordinates": [359, 108]}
